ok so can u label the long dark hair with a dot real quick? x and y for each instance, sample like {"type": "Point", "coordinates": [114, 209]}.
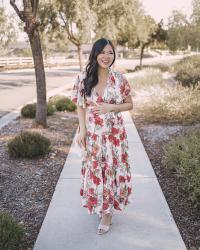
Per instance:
{"type": "Point", "coordinates": [91, 78]}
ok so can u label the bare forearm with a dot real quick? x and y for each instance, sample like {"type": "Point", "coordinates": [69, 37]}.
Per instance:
{"type": "Point", "coordinates": [81, 117]}
{"type": "Point", "coordinates": [121, 107]}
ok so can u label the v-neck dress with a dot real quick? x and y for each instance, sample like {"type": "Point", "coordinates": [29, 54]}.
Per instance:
{"type": "Point", "coordinates": [106, 182]}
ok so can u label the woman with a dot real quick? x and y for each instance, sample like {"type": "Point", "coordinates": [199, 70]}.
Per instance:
{"type": "Point", "coordinates": [101, 94]}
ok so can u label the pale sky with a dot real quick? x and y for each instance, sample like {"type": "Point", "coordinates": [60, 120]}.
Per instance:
{"type": "Point", "coordinates": [156, 8]}
{"type": "Point", "coordinates": [163, 9]}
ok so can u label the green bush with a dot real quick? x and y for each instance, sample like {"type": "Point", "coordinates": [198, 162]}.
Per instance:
{"type": "Point", "coordinates": [29, 110]}
{"type": "Point", "coordinates": [28, 145]}
{"type": "Point", "coordinates": [188, 70]}
{"type": "Point", "coordinates": [53, 99]}
{"type": "Point", "coordinates": [50, 109]}
{"type": "Point", "coordinates": [71, 106]}
{"type": "Point", "coordinates": [182, 156]}
{"type": "Point", "coordinates": [62, 103]}
{"type": "Point", "coordinates": [11, 232]}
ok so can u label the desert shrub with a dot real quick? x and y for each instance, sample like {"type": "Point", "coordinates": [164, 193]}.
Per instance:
{"type": "Point", "coordinates": [188, 77]}
{"type": "Point", "coordinates": [29, 110]}
{"type": "Point", "coordinates": [188, 70]}
{"type": "Point", "coordinates": [182, 156]}
{"type": "Point", "coordinates": [176, 104]}
{"type": "Point", "coordinates": [147, 78]}
{"type": "Point", "coordinates": [187, 63]}
{"type": "Point", "coordinates": [160, 102]}
{"type": "Point", "coordinates": [28, 145]}
{"type": "Point", "coordinates": [11, 232]}
{"type": "Point", "coordinates": [161, 66]}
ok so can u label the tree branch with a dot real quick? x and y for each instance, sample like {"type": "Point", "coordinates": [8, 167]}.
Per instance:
{"type": "Point", "coordinates": [19, 13]}
{"type": "Point", "coordinates": [70, 35]}
{"type": "Point", "coordinates": [64, 21]}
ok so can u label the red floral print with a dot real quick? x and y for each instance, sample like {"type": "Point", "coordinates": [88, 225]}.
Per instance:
{"type": "Point", "coordinates": [115, 131]}
{"type": "Point", "coordinates": [95, 164]}
{"type": "Point", "coordinates": [121, 178]}
{"type": "Point", "coordinates": [124, 157]}
{"type": "Point", "coordinates": [96, 180]}
{"type": "Point", "coordinates": [116, 141]}
{"type": "Point", "coordinates": [98, 121]}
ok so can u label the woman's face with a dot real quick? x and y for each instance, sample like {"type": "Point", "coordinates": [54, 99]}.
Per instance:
{"type": "Point", "coordinates": [106, 57]}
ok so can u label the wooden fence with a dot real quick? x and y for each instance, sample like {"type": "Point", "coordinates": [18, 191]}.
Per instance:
{"type": "Point", "coordinates": [29, 60]}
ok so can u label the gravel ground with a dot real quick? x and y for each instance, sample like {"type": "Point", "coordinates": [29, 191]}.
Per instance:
{"type": "Point", "coordinates": [154, 137]}
{"type": "Point", "coordinates": [27, 185]}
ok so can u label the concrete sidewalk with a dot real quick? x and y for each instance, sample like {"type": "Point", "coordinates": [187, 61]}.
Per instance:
{"type": "Point", "coordinates": [146, 224]}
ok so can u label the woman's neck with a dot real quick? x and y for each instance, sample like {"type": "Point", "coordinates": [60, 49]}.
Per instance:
{"type": "Point", "coordinates": [102, 73]}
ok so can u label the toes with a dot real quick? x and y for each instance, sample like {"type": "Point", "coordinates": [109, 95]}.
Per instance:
{"type": "Point", "coordinates": [100, 231]}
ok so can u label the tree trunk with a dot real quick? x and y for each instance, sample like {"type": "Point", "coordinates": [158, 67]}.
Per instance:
{"type": "Point", "coordinates": [141, 54]}
{"type": "Point", "coordinates": [41, 110]}
{"type": "Point", "coordinates": [80, 57]}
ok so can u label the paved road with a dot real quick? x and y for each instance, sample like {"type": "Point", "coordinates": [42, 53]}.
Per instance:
{"type": "Point", "coordinates": [130, 64]}
{"type": "Point", "coordinates": [18, 86]}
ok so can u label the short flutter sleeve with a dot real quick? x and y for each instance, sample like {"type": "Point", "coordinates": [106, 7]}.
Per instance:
{"type": "Point", "coordinates": [77, 95]}
{"type": "Point", "coordinates": [125, 88]}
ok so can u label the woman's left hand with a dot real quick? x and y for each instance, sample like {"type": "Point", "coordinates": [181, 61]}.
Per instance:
{"type": "Point", "coordinates": [101, 108]}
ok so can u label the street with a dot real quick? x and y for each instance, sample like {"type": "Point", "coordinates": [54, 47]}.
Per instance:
{"type": "Point", "coordinates": [18, 87]}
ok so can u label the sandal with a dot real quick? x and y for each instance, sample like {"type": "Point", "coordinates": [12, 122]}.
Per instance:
{"type": "Point", "coordinates": [102, 229]}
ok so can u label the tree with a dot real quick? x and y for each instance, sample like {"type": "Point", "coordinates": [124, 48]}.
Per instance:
{"type": "Point", "coordinates": [51, 33]}
{"type": "Point", "coordinates": [108, 13]}
{"type": "Point", "coordinates": [78, 20]}
{"type": "Point", "coordinates": [146, 33]}
{"type": "Point", "coordinates": [71, 17]}
{"type": "Point", "coordinates": [29, 17]}
{"type": "Point", "coordinates": [128, 22]}
{"type": "Point", "coordinates": [178, 31]}
{"type": "Point", "coordinates": [195, 25]}
{"type": "Point", "coordinates": [7, 33]}
{"type": "Point", "coordinates": [196, 12]}
{"type": "Point", "coordinates": [160, 36]}
{"type": "Point", "coordinates": [117, 20]}
{"type": "Point", "coordinates": [134, 28]}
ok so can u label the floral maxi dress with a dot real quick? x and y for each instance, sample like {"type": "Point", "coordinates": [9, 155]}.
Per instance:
{"type": "Point", "coordinates": [105, 173]}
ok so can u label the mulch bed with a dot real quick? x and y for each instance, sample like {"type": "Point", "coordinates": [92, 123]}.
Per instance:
{"type": "Point", "coordinates": [27, 185]}
{"type": "Point", "coordinates": [154, 137]}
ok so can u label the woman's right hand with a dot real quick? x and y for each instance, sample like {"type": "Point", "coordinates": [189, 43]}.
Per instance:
{"type": "Point", "coordinates": [81, 138]}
